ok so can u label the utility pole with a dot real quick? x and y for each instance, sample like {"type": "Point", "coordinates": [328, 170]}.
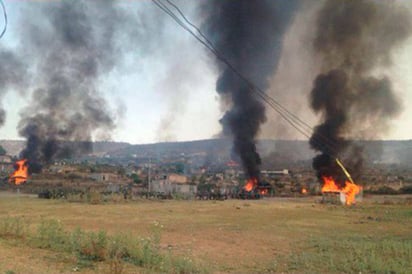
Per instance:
{"type": "Point", "coordinates": [148, 179]}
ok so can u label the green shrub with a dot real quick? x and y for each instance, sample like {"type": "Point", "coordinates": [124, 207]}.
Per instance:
{"type": "Point", "coordinates": [13, 227]}
{"type": "Point", "coordinates": [75, 197]}
{"type": "Point", "coordinates": [90, 247]}
{"type": "Point", "coordinates": [116, 265]}
{"type": "Point", "coordinates": [114, 198]}
{"type": "Point", "coordinates": [384, 190]}
{"type": "Point", "coordinates": [50, 235]}
{"type": "Point", "coordinates": [118, 251]}
{"type": "Point", "coordinates": [182, 265]}
{"type": "Point", "coordinates": [95, 246]}
{"type": "Point", "coordinates": [406, 190]}
{"type": "Point", "coordinates": [354, 255]}
{"type": "Point", "coordinates": [94, 197]}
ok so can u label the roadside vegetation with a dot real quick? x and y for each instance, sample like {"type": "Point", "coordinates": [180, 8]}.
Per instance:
{"type": "Point", "coordinates": [290, 235]}
{"type": "Point", "coordinates": [88, 248]}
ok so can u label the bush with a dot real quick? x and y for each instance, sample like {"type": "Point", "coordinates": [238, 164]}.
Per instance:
{"type": "Point", "coordinates": [50, 235]}
{"type": "Point", "coordinates": [45, 194]}
{"type": "Point", "coordinates": [75, 197]}
{"type": "Point", "coordinates": [354, 255]}
{"type": "Point", "coordinates": [117, 252]}
{"type": "Point", "coordinates": [13, 227]}
{"type": "Point", "coordinates": [94, 197]}
{"type": "Point", "coordinates": [114, 198]}
{"type": "Point", "coordinates": [90, 247]}
{"type": "Point", "coordinates": [54, 193]}
{"type": "Point", "coordinates": [406, 190]}
{"type": "Point", "coordinates": [384, 190]}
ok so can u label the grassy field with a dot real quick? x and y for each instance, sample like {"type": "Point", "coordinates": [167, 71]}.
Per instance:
{"type": "Point", "coordinates": [270, 235]}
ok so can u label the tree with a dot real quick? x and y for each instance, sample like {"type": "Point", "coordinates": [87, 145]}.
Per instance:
{"type": "Point", "coordinates": [180, 168]}
{"type": "Point", "coordinates": [2, 151]}
{"type": "Point", "coordinates": [121, 171]}
{"type": "Point", "coordinates": [136, 178]}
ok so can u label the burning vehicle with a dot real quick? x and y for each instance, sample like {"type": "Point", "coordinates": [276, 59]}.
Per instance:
{"type": "Point", "coordinates": [254, 189]}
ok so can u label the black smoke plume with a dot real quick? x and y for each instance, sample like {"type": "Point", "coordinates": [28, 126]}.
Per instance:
{"type": "Point", "coordinates": [249, 34]}
{"type": "Point", "coordinates": [353, 40]}
{"type": "Point", "coordinates": [13, 75]}
{"type": "Point", "coordinates": [72, 44]}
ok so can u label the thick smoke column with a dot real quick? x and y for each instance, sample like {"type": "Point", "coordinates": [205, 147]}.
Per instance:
{"type": "Point", "coordinates": [12, 76]}
{"type": "Point", "coordinates": [73, 43]}
{"type": "Point", "coordinates": [354, 39]}
{"type": "Point", "coordinates": [249, 34]}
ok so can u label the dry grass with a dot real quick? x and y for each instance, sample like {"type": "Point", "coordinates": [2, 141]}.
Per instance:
{"type": "Point", "coordinates": [270, 235]}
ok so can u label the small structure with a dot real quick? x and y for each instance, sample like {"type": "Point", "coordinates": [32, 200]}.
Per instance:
{"type": "Point", "coordinates": [340, 197]}
{"type": "Point", "coordinates": [62, 169]}
{"type": "Point", "coordinates": [113, 188]}
{"type": "Point", "coordinates": [172, 184]}
{"type": "Point", "coordinates": [333, 197]}
{"type": "Point", "coordinates": [20, 173]}
{"type": "Point", "coordinates": [104, 177]}
{"type": "Point", "coordinates": [275, 173]}
{"type": "Point", "coordinates": [6, 163]}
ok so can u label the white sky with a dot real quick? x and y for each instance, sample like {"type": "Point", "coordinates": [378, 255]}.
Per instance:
{"type": "Point", "coordinates": [143, 92]}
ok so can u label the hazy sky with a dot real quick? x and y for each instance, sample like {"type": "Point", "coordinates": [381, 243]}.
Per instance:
{"type": "Point", "coordinates": [167, 93]}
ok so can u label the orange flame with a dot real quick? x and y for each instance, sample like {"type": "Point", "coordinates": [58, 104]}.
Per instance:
{"type": "Point", "coordinates": [250, 184]}
{"type": "Point", "coordinates": [20, 173]}
{"type": "Point", "coordinates": [350, 190]}
{"type": "Point", "coordinates": [264, 191]}
{"type": "Point", "coordinates": [329, 185]}
{"type": "Point", "coordinates": [304, 191]}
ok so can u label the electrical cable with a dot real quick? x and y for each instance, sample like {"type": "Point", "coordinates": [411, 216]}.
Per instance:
{"type": "Point", "coordinates": [304, 128]}
{"type": "Point", "coordinates": [5, 19]}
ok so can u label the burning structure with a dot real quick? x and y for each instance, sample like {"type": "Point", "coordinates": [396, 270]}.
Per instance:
{"type": "Point", "coordinates": [20, 174]}
{"type": "Point", "coordinates": [348, 192]}
{"type": "Point", "coordinates": [353, 40]}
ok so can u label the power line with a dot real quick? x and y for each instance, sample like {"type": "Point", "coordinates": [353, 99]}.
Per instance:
{"type": "Point", "coordinates": [285, 113]}
{"type": "Point", "coordinates": [304, 128]}
{"type": "Point", "coordinates": [268, 98]}
{"type": "Point", "coordinates": [5, 18]}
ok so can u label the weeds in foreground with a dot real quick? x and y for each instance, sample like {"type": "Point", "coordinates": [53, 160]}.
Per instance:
{"type": "Point", "coordinates": [91, 247]}
{"type": "Point", "coordinates": [354, 255]}
{"type": "Point", "coordinates": [13, 227]}
{"type": "Point", "coordinates": [50, 235]}
{"type": "Point", "coordinates": [95, 198]}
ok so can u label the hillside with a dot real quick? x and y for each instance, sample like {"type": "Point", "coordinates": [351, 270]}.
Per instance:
{"type": "Point", "coordinates": [389, 152]}
{"type": "Point", "coordinates": [14, 147]}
